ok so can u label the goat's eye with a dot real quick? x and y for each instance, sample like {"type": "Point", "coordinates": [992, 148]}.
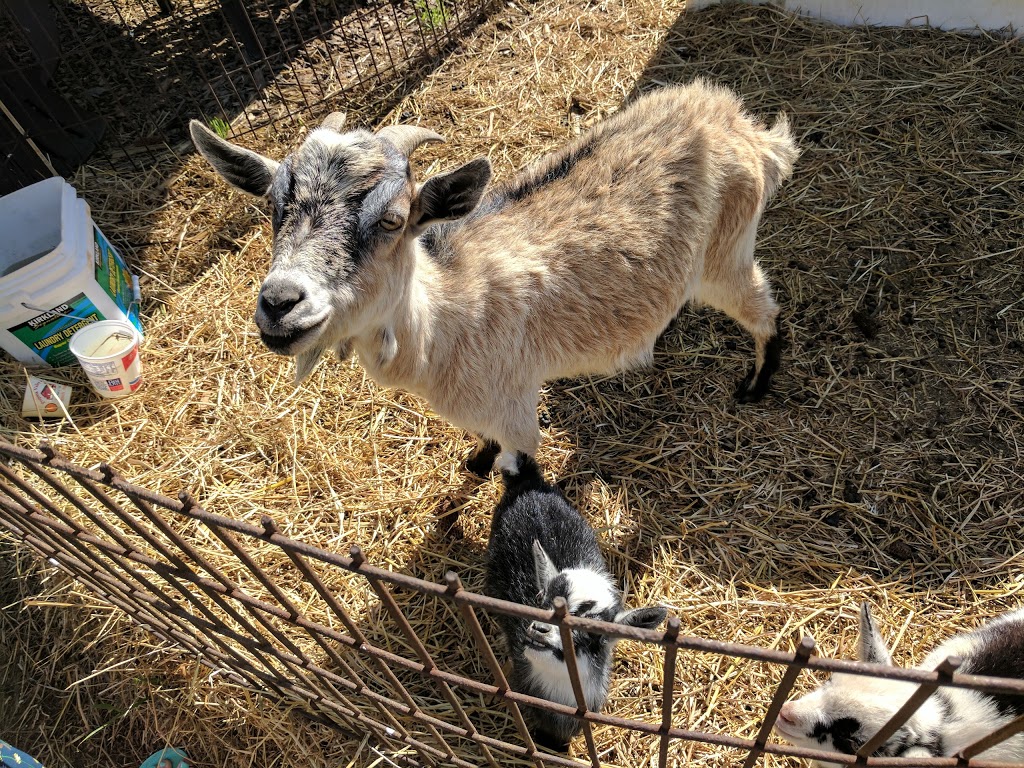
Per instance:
{"type": "Point", "coordinates": [390, 222]}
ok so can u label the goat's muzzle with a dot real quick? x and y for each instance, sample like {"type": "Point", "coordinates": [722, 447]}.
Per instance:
{"type": "Point", "coordinates": [542, 635]}
{"type": "Point", "coordinates": [288, 320]}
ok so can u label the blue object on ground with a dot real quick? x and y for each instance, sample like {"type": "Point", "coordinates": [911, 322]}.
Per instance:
{"type": "Point", "coordinates": [15, 758]}
{"type": "Point", "coordinates": [168, 757]}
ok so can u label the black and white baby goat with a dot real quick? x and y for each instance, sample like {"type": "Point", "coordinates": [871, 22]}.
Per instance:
{"type": "Point", "coordinates": [542, 548]}
{"type": "Point", "coordinates": [845, 712]}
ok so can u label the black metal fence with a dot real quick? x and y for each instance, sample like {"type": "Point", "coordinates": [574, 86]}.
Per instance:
{"type": "Point", "coordinates": [138, 550]}
{"type": "Point", "coordinates": [115, 82]}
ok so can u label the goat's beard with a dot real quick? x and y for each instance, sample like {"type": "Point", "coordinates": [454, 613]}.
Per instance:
{"type": "Point", "coordinates": [306, 360]}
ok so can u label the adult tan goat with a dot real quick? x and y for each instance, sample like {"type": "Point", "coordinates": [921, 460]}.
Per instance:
{"type": "Point", "coordinates": [474, 300]}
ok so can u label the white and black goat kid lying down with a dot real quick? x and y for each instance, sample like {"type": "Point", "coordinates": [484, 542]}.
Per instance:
{"type": "Point", "coordinates": [845, 712]}
{"type": "Point", "coordinates": [541, 548]}
{"type": "Point", "coordinates": [473, 299]}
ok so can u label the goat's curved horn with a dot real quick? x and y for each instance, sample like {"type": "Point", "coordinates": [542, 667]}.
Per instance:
{"type": "Point", "coordinates": [335, 121]}
{"type": "Point", "coordinates": [407, 138]}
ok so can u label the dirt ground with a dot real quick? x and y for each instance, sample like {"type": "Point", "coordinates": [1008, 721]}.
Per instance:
{"type": "Point", "coordinates": [885, 465]}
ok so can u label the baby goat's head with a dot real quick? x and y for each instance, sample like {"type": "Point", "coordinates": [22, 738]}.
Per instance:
{"type": "Point", "coordinates": [844, 713]}
{"type": "Point", "coordinates": [589, 594]}
{"type": "Point", "coordinates": [345, 207]}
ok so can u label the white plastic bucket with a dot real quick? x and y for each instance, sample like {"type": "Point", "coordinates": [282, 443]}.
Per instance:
{"type": "Point", "coordinates": [58, 273]}
{"type": "Point", "coordinates": [109, 352]}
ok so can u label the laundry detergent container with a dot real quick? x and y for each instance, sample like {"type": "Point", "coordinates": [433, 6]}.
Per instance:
{"type": "Point", "coordinates": [58, 273]}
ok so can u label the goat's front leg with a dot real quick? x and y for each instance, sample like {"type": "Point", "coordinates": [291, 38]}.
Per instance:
{"type": "Point", "coordinates": [521, 434]}
{"type": "Point", "coordinates": [515, 432]}
{"type": "Point", "coordinates": [481, 460]}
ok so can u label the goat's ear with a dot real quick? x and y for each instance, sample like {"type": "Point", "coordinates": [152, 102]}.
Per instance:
{"type": "Point", "coordinates": [450, 195]}
{"type": "Point", "coordinates": [543, 567]}
{"type": "Point", "coordinates": [241, 168]}
{"type": "Point", "coordinates": [644, 618]}
{"type": "Point", "coordinates": [870, 646]}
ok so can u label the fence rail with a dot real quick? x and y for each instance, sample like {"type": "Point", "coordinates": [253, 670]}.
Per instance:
{"type": "Point", "coordinates": [141, 552]}
{"type": "Point", "coordinates": [115, 82]}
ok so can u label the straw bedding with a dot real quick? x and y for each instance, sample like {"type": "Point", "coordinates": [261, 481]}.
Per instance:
{"type": "Point", "coordinates": [886, 465]}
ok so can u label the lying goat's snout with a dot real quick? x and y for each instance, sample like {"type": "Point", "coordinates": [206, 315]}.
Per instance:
{"type": "Point", "coordinates": [541, 628]}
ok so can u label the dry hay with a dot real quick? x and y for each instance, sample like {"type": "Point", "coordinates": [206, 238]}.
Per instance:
{"type": "Point", "coordinates": [886, 465]}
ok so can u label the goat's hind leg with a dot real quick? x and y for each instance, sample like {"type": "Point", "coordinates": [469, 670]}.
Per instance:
{"type": "Point", "coordinates": [767, 360]}
{"type": "Point", "coordinates": [743, 292]}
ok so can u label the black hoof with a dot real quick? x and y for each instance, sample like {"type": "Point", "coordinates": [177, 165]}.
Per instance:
{"type": "Point", "coordinates": [754, 387]}
{"type": "Point", "coordinates": [482, 460]}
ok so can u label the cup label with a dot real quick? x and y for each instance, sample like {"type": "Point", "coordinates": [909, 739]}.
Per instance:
{"type": "Point", "coordinates": [100, 370]}
{"type": "Point", "coordinates": [128, 359]}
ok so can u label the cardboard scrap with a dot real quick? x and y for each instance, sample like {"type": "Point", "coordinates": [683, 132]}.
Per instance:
{"type": "Point", "coordinates": [45, 399]}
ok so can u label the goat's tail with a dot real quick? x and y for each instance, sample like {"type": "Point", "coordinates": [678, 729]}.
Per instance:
{"type": "Point", "coordinates": [781, 153]}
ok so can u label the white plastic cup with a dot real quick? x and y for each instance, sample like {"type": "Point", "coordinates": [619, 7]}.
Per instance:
{"type": "Point", "coordinates": [108, 350]}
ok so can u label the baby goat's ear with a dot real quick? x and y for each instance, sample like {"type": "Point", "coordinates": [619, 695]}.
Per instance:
{"type": "Point", "coordinates": [450, 195]}
{"type": "Point", "coordinates": [241, 168]}
{"type": "Point", "coordinates": [644, 618]}
{"type": "Point", "coordinates": [870, 646]}
{"type": "Point", "coordinates": [543, 567]}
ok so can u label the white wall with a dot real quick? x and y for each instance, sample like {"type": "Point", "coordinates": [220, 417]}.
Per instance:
{"type": "Point", "coordinates": [942, 14]}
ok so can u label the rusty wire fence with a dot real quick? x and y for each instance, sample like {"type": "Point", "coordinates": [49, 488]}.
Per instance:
{"type": "Point", "coordinates": [115, 82]}
{"type": "Point", "coordinates": [260, 624]}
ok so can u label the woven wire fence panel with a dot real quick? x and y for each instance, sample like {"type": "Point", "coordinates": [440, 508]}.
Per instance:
{"type": "Point", "coordinates": [253, 605]}
{"type": "Point", "coordinates": [115, 82]}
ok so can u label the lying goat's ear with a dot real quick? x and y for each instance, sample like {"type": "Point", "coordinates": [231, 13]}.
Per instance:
{"type": "Point", "coordinates": [450, 195]}
{"type": "Point", "coordinates": [870, 645]}
{"type": "Point", "coordinates": [241, 168]}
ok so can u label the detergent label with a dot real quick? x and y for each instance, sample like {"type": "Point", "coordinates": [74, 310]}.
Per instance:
{"type": "Point", "coordinates": [48, 333]}
{"type": "Point", "coordinates": [113, 276]}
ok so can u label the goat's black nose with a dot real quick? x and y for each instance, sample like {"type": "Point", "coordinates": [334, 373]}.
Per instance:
{"type": "Point", "coordinates": [540, 628]}
{"type": "Point", "coordinates": [280, 297]}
